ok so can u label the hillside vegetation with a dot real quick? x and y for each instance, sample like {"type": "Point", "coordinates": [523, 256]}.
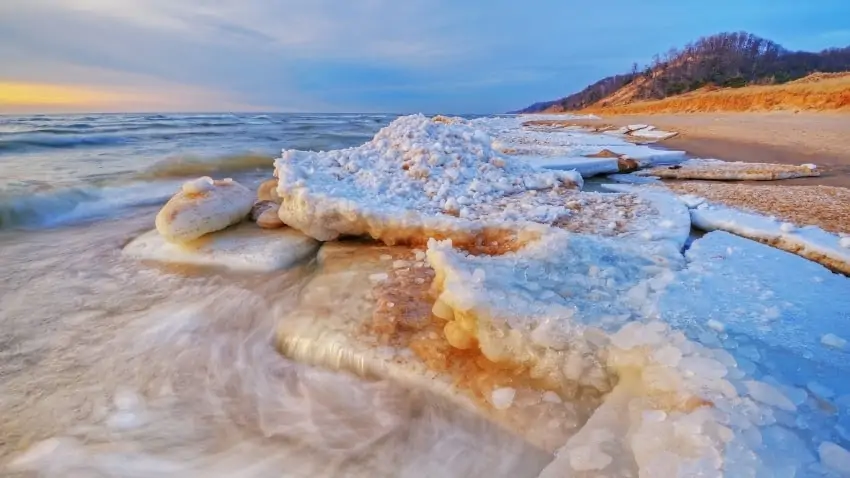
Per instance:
{"type": "Point", "coordinates": [813, 93]}
{"type": "Point", "coordinates": [724, 61]}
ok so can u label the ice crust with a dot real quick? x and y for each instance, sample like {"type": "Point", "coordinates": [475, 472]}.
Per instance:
{"type": "Point", "coordinates": [416, 176]}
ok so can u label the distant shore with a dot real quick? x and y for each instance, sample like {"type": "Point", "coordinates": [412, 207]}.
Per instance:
{"type": "Point", "coordinates": [781, 137]}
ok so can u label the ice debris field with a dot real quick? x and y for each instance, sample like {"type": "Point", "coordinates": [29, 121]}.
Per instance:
{"type": "Point", "coordinates": [595, 325]}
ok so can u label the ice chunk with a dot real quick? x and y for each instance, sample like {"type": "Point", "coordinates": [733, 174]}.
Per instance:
{"type": "Point", "coordinates": [769, 395]}
{"type": "Point", "coordinates": [820, 390]}
{"type": "Point", "coordinates": [199, 185]}
{"type": "Point", "coordinates": [201, 207]}
{"type": "Point", "coordinates": [834, 457]}
{"type": "Point", "coordinates": [588, 458]}
{"type": "Point", "coordinates": [834, 341]}
{"type": "Point", "coordinates": [712, 169]}
{"type": "Point", "coordinates": [378, 277]}
{"type": "Point", "coordinates": [503, 398]}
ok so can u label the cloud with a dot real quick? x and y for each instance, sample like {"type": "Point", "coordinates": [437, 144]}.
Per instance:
{"type": "Point", "coordinates": [370, 55]}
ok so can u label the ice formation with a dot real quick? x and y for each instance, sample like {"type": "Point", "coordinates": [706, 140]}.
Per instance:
{"type": "Point", "coordinates": [417, 178]}
{"type": "Point", "coordinates": [244, 247]}
{"type": "Point", "coordinates": [810, 242]}
{"type": "Point", "coordinates": [584, 329]}
{"type": "Point", "coordinates": [571, 148]}
{"type": "Point", "coordinates": [713, 169]}
{"type": "Point", "coordinates": [203, 206]}
{"type": "Point", "coordinates": [361, 314]}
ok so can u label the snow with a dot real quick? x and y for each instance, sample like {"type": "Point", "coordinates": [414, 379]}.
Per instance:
{"type": "Point", "coordinates": [243, 248]}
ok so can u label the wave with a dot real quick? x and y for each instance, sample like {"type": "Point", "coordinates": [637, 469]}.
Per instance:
{"type": "Point", "coordinates": [184, 166]}
{"type": "Point", "coordinates": [66, 205]}
{"type": "Point", "coordinates": [30, 141]}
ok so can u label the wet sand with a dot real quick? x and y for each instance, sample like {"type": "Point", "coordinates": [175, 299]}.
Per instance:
{"type": "Point", "coordinates": [782, 137]}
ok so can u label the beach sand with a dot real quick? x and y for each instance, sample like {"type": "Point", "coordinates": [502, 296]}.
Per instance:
{"type": "Point", "coordinates": [780, 137]}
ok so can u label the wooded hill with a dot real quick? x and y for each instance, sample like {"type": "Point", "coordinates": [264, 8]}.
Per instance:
{"type": "Point", "coordinates": [729, 60]}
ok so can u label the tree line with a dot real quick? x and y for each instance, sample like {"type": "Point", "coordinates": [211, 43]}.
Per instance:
{"type": "Point", "coordinates": [725, 60]}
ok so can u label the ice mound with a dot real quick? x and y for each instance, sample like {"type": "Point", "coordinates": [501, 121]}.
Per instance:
{"type": "Point", "coordinates": [713, 169]}
{"type": "Point", "coordinates": [203, 206]}
{"type": "Point", "coordinates": [417, 178]}
{"type": "Point", "coordinates": [244, 247]}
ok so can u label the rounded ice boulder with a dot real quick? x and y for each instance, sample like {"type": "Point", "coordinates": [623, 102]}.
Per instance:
{"type": "Point", "coordinates": [203, 206]}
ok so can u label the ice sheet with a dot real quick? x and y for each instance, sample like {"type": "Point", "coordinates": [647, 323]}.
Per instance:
{"type": "Point", "coordinates": [771, 310]}
{"type": "Point", "coordinates": [587, 167]}
{"type": "Point", "coordinates": [713, 169]}
{"type": "Point", "coordinates": [810, 242]}
{"type": "Point", "coordinates": [244, 247]}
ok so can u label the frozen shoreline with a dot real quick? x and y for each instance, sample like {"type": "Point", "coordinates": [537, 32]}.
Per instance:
{"type": "Point", "coordinates": [706, 377]}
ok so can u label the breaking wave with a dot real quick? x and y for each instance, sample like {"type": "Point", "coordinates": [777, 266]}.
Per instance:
{"type": "Point", "coordinates": [184, 166]}
{"type": "Point", "coordinates": [26, 209]}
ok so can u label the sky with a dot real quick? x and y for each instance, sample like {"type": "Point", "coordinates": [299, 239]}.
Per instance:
{"type": "Point", "coordinates": [400, 56]}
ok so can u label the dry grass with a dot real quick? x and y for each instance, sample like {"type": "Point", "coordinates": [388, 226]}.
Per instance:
{"type": "Point", "coordinates": [822, 206]}
{"type": "Point", "coordinates": [817, 92]}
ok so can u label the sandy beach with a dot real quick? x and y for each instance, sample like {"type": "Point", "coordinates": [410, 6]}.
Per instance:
{"type": "Point", "coordinates": [781, 137]}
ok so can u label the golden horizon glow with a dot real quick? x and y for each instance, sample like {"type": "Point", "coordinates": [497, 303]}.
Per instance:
{"type": "Point", "coordinates": [23, 94]}
{"type": "Point", "coordinates": [20, 97]}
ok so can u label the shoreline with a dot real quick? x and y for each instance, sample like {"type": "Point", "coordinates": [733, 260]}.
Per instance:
{"type": "Point", "coordinates": [784, 138]}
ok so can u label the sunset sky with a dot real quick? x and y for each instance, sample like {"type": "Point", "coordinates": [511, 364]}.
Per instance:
{"type": "Point", "coordinates": [367, 55]}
